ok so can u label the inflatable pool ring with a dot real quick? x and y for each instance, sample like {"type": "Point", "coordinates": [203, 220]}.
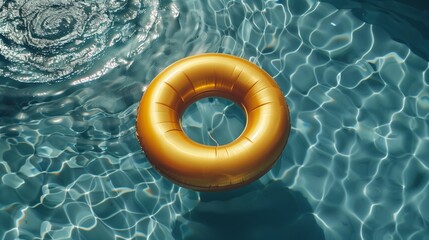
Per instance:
{"type": "Point", "coordinates": [203, 167]}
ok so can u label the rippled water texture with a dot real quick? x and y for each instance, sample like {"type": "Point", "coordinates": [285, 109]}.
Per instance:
{"type": "Point", "coordinates": [48, 40]}
{"type": "Point", "coordinates": [72, 73]}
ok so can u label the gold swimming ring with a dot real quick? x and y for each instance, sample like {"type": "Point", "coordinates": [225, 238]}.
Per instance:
{"type": "Point", "coordinates": [203, 167]}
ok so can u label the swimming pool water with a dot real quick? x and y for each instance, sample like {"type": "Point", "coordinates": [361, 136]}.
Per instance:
{"type": "Point", "coordinates": [356, 165]}
{"type": "Point", "coordinates": [213, 121]}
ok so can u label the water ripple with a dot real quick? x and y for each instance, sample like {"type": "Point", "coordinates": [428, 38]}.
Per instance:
{"type": "Point", "coordinates": [46, 40]}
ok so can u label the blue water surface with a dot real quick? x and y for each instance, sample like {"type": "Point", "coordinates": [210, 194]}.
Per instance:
{"type": "Point", "coordinates": [356, 165]}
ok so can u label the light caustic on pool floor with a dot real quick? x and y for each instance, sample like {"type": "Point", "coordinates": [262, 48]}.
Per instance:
{"type": "Point", "coordinates": [70, 164]}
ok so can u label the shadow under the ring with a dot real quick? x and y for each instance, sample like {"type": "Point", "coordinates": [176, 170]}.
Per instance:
{"type": "Point", "coordinates": [252, 212]}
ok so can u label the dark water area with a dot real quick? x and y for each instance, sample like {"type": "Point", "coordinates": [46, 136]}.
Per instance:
{"type": "Point", "coordinates": [405, 21]}
{"type": "Point", "coordinates": [252, 212]}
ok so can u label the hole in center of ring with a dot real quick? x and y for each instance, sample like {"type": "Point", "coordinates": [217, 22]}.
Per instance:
{"type": "Point", "coordinates": [213, 121]}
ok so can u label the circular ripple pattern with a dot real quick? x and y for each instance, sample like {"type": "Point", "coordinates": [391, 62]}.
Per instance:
{"type": "Point", "coordinates": [47, 40]}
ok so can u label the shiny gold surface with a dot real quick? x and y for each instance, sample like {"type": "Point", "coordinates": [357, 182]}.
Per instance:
{"type": "Point", "coordinates": [209, 168]}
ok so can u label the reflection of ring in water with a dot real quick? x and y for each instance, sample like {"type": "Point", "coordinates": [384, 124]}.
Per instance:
{"type": "Point", "coordinates": [203, 167]}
